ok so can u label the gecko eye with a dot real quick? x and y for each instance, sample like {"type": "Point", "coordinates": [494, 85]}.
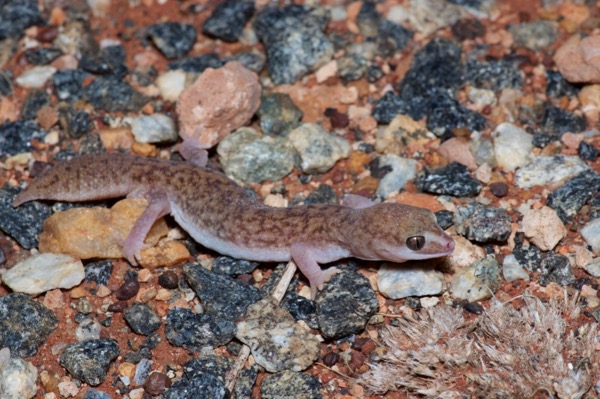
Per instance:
{"type": "Point", "coordinates": [415, 242]}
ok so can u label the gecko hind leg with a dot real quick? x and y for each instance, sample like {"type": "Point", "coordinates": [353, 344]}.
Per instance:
{"type": "Point", "coordinates": [158, 206]}
{"type": "Point", "coordinates": [316, 276]}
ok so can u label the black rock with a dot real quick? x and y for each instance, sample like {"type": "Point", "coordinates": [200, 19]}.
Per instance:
{"type": "Point", "coordinates": [453, 179]}
{"type": "Point", "coordinates": [324, 194]}
{"type": "Point", "coordinates": [290, 384]}
{"type": "Point", "coordinates": [278, 114]}
{"type": "Point", "coordinates": [557, 85]}
{"type": "Point", "coordinates": [374, 73]}
{"type": "Point", "coordinates": [445, 114]}
{"type": "Point", "coordinates": [494, 75]}
{"type": "Point", "coordinates": [42, 55]}
{"type": "Point", "coordinates": [16, 137]}
{"type": "Point", "coordinates": [391, 105]}
{"type": "Point", "coordinates": [559, 121]}
{"type": "Point", "coordinates": [301, 309]}
{"type": "Point", "coordinates": [15, 16]}
{"type": "Point", "coordinates": [6, 83]}
{"type": "Point", "coordinates": [445, 219]}
{"type": "Point", "coordinates": [231, 266]}
{"type": "Point", "coordinates": [195, 331]}
{"type": "Point", "coordinates": [352, 67]}
{"type": "Point", "coordinates": [223, 296]}
{"type": "Point", "coordinates": [204, 386]}
{"type": "Point", "coordinates": [556, 269]}
{"type": "Point", "coordinates": [197, 63]}
{"type": "Point", "coordinates": [113, 94]}
{"type": "Point", "coordinates": [95, 394]}
{"type": "Point", "coordinates": [141, 318]}
{"type": "Point", "coordinates": [587, 152]}
{"type": "Point", "coordinates": [568, 199]}
{"type": "Point", "coordinates": [108, 61]}
{"type": "Point", "coordinates": [173, 39]}
{"type": "Point", "coordinates": [76, 123]}
{"type": "Point", "coordinates": [392, 38]}
{"type": "Point", "coordinates": [228, 20]}
{"type": "Point", "coordinates": [24, 223]}
{"type": "Point", "coordinates": [253, 60]}
{"type": "Point", "coordinates": [88, 361]}
{"type": "Point", "coordinates": [482, 223]}
{"type": "Point", "coordinates": [24, 324]}
{"type": "Point", "coordinates": [99, 272]}
{"type": "Point", "coordinates": [294, 40]}
{"type": "Point", "coordinates": [68, 84]}
{"type": "Point", "coordinates": [529, 257]}
{"type": "Point", "coordinates": [35, 100]}
{"type": "Point", "coordinates": [345, 305]}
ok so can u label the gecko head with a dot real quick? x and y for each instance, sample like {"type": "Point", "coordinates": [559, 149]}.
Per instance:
{"type": "Point", "coordinates": [398, 233]}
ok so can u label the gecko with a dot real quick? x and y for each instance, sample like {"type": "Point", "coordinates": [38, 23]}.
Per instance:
{"type": "Point", "coordinates": [221, 215]}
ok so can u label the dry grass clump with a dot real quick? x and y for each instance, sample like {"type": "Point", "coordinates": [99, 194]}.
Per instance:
{"type": "Point", "coordinates": [505, 353]}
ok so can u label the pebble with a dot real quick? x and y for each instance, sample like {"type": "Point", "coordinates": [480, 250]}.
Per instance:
{"type": "Point", "coordinates": [98, 272]}
{"type": "Point", "coordinates": [345, 305]}
{"type": "Point", "coordinates": [88, 329]}
{"type": "Point", "coordinates": [543, 228]}
{"type": "Point", "coordinates": [169, 280]}
{"type": "Point", "coordinates": [68, 84]}
{"type": "Point", "coordinates": [16, 137]}
{"type": "Point", "coordinates": [165, 254]}
{"type": "Point", "coordinates": [402, 134]}
{"type": "Point", "coordinates": [24, 223]}
{"type": "Point", "coordinates": [6, 82]}
{"type": "Point", "coordinates": [249, 157]}
{"type": "Point", "coordinates": [197, 64]}
{"type": "Point", "coordinates": [155, 128]}
{"type": "Point", "coordinates": [549, 171]}
{"type": "Point", "coordinates": [512, 146]}
{"type": "Point", "coordinates": [195, 331]}
{"type": "Point", "coordinates": [494, 75]}
{"type": "Point", "coordinates": [444, 218]}
{"type": "Point", "coordinates": [95, 394]}
{"type": "Point", "coordinates": [218, 102]}
{"type": "Point", "coordinates": [173, 39]}
{"type": "Point", "coordinates": [478, 281]}
{"type": "Point", "coordinates": [482, 223]}
{"type": "Point", "coordinates": [128, 290]}
{"type": "Point", "coordinates": [301, 309]}
{"type": "Point", "coordinates": [529, 257]}
{"type": "Point", "coordinates": [171, 84]}
{"type": "Point", "coordinates": [205, 386]}
{"type": "Point", "coordinates": [231, 266]}
{"type": "Point", "coordinates": [453, 179]}
{"type": "Point", "coordinates": [113, 94]}
{"type": "Point", "coordinates": [36, 99]}
{"type": "Point", "coordinates": [536, 35]}
{"type": "Point", "coordinates": [18, 379]}
{"type": "Point", "coordinates": [44, 272]}
{"type": "Point", "coordinates": [409, 280]}
{"type": "Point", "coordinates": [75, 123]}
{"type": "Point", "coordinates": [445, 114]}
{"type": "Point", "coordinates": [557, 121]}
{"type": "Point", "coordinates": [589, 97]}
{"type": "Point", "coordinates": [15, 17]}
{"type": "Point", "coordinates": [401, 171]}
{"type": "Point", "coordinates": [89, 361]}
{"type": "Point", "coordinates": [318, 149]}
{"type": "Point", "coordinates": [557, 86]}
{"type": "Point", "coordinates": [593, 267]}
{"type": "Point", "coordinates": [141, 318]}
{"type": "Point", "coordinates": [96, 232]}
{"type": "Point", "coordinates": [294, 39]}
{"type": "Point", "coordinates": [289, 384]}
{"type": "Point", "coordinates": [36, 77]}
{"type": "Point", "coordinates": [222, 296]}
{"type": "Point", "coordinates": [568, 199]}
{"type": "Point", "coordinates": [278, 114]}
{"type": "Point", "coordinates": [577, 61]}
{"type": "Point", "coordinates": [591, 234]}
{"type": "Point", "coordinates": [458, 150]}
{"type": "Point", "coordinates": [351, 67]}
{"type": "Point", "coordinates": [512, 269]}
{"type": "Point", "coordinates": [556, 268]}
{"type": "Point", "coordinates": [228, 19]}
{"type": "Point", "coordinates": [254, 60]}
{"type": "Point", "coordinates": [277, 341]}
{"type": "Point", "coordinates": [157, 383]}
{"type": "Point", "coordinates": [499, 189]}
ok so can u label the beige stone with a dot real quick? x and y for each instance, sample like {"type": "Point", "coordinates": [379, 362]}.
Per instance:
{"type": "Point", "coordinates": [578, 60]}
{"type": "Point", "coordinates": [543, 227]}
{"type": "Point", "coordinates": [589, 97]}
{"type": "Point", "coordinates": [166, 253]}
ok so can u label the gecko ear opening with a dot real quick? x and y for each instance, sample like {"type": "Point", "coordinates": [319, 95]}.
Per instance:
{"type": "Point", "coordinates": [415, 243]}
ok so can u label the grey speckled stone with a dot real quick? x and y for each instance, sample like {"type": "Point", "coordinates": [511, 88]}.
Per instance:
{"type": "Point", "coordinates": [477, 281]}
{"type": "Point", "coordinates": [294, 40]}
{"type": "Point", "coordinates": [228, 19]}
{"type": "Point", "coordinates": [99, 272]}
{"type": "Point", "coordinates": [18, 379]}
{"type": "Point", "coordinates": [113, 95]}
{"type": "Point", "coordinates": [16, 137]}
{"type": "Point", "coordinates": [95, 394]}
{"type": "Point", "coordinates": [15, 16]}
{"type": "Point", "coordinates": [345, 305]}
{"type": "Point", "coordinates": [277, 341]}
{"type": "Point", "coordinates": [204, 386]}
{"type": "Point", "coordinates": [222, 296]}
{"type": "Point", "coordinates": [318, 149]}
{"type": "Point", "coordinates": [231, 266]}
{"type": "Point", "coordinates": [453, 179]}
{"type": "Point", "coordinates": [24, 223]}
{"type": "Point", "coordinates": [409, 279]}
{"type": "Point", "coordinates": [278, 114]}
{"type": "Point", "coordinates": [18, 314]}
{"type": "Point", "coordinates": [536, 35]}
{"type": "Point", "coordinates": [173, 39]}
{"type": "Point", "coordinates": [482, 223]}
{"type": "Point", "coordinates": [568, 199]}
{"type": "Point", "coordinates": [556, 268]}
{"type": "Point", "coordinates": [494, 75]}
{"type": "Point", "coordinates": [289, 385]}
{"type": "Point", "coordinates": [549, 170]}
{"type": "Point", "coordinates": [141, 318]}
{"type": "Point", "coordinates": [197, 63]}
{"type": "Point", "coordinates": [89, 361]}
{"type": "Point", "coordinates": [195, 331]}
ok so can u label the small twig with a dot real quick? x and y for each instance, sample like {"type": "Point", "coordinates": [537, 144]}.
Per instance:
{"type": "Point", "coordinates": [278, 294]}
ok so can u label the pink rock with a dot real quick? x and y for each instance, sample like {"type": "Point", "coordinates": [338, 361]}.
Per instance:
{"type": "Point", "coordinates": [578, 60]}
{"type": "Point", "coordinates": [458, 150]}
{"type": "Point", "coordinates": [218, 102]}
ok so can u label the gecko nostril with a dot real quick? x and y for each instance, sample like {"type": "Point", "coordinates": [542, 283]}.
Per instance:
{"type": "Point", "coordinates": [450, 245]}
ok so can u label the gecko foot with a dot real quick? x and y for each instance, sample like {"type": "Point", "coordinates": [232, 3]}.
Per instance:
{"type": "Point", "coordinates": [317, 282]}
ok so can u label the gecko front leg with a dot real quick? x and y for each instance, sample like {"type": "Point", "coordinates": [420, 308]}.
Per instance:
{"type": "Point", "coordinates": [158, 206]}
{"type": "Point", "coordinates": [304, 259]}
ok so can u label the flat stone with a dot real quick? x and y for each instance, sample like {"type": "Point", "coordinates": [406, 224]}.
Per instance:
{"type": "Point", "coordinates": [482, 223]}
{"type": "Point", "coordinates": [44, 272]}
{"type": "Point", "coordinates": [318, 149]}
{"type": "Point", "coordinates": [568, 199]}
{"type": "Point", "coordinates": [453, 179]}
{"type": "Point", "coordinates": [289, 384]}
{"type": "Point", "coordinates": [228, 19]}
{"type": "Point", "coordinates": [512, 146]}
{"type": "Point", "coordinates": [409, 280]}
{"type": "Point", "coordinates": [549, 171]}
{"type": "Point", "coordinates": [195, 331]}
{"type": "Point", "coordinates": [155, 128]}
{"type": "Point", "coordinates": [24, 223]}
{"type": "Point", "coordinates": [173, 39]}
{"type": "Point", "coordinates": [556, 268]}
